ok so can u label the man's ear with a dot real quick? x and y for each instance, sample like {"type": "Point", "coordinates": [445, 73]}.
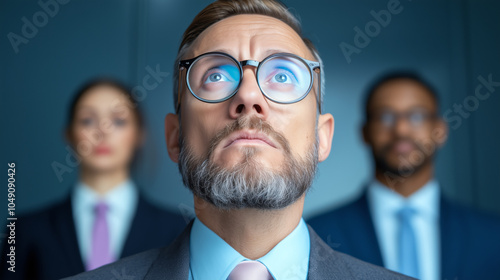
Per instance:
{"type": "Point", "coordinates": [440, 132]}
{"type": "Point", "coordinates": [172, 132]}
{"type": "Point", "coordinates": [326, 125]}
{"type": "Point", "coordinates": [364, 132]}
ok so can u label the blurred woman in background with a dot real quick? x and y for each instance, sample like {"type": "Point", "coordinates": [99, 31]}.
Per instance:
{"type": "Point", "coordinates": [105, 217]}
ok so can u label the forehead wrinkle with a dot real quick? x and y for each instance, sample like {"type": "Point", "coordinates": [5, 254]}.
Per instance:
{"type": "Point", "coordinates": [254, 35]}
{"type": "Point", "coordinates": [290, 47]}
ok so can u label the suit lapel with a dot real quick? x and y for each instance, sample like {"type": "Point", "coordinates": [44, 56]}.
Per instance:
{"type": "Point", "coordinates": [324, 262]}
{"type": "Point", "coordinates": [66, 233]}
{"type": "Point", "coordinates": [451, 233]}
{"type": "Point", "coordinates": [362, 236]}
{"type": "Point", "coordinates": [135, 236]}
{"type": "Point", "coordinates": [173, 261]}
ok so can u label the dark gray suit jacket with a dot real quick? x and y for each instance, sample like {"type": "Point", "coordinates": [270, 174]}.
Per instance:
{"type": "Point", "coordinates": [172, 262]}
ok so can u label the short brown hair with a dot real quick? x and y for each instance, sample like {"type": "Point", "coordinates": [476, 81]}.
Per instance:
{"type": "Point", "coordinates": [222, 9]}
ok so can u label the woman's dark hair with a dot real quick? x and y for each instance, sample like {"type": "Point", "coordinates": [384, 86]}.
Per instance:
{"type": "Point", "coordinates": [103, 81]}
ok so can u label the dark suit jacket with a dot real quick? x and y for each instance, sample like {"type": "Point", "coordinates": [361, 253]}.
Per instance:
{"type": "Point", "coordinates": [173, 263]}
{"type": "Point", "coordinates": [470, 241]}
{"type": "Point", "coordinates": [47, 246]}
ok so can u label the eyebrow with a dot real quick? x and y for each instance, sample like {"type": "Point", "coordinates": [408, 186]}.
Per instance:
{"type": "Point", "coordinates": [412, 108]}
{"type": "Point", "coordinates": [85, 109]}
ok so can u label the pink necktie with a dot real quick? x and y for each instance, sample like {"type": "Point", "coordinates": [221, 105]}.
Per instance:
{"type": "Point", "coordinates": [250, 270]}
{"type": "Point", "coordinates": [100, 252]}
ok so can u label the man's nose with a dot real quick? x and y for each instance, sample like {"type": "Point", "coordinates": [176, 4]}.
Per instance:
{"type": "Point", "coordinates": [402, 127]}
{"type": "Point", "coordinates": [249, 98]}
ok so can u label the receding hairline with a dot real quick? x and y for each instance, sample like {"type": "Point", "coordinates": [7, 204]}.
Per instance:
{"type": "Point", "coordinates": [188, 52]}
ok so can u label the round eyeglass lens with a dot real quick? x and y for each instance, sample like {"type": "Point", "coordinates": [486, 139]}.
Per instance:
{"type": "Point", "coordinates": [213, 77]}
{"type": "Point", "coordinates": [284, 79]}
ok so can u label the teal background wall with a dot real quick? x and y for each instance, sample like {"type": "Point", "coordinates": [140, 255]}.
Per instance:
{"type": "Point", "coordinates": [451, 42]}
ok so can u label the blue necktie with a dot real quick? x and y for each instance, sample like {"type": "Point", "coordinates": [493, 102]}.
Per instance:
{"type": "Point", "coordinates": [407, 243]}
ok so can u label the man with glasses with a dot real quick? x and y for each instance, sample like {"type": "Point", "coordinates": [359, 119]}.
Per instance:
{"type": "Point", "coordinates": [402, 221]}
{"type": "Point", "coordinates": [247, 135]}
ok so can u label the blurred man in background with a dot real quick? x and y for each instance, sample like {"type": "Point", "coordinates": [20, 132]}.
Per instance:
{"type": "Point", "coordinates": [402, 221]}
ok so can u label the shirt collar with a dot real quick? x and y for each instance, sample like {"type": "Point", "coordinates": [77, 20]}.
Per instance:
{"type": "Point", "coordinates": [425, 201]}
{"type": "Point", "coordinates": [290, 258]}
{"type": "Point", "coordinates": [211, 256]}
{"type": "Point", "coordinates": [86, 198]}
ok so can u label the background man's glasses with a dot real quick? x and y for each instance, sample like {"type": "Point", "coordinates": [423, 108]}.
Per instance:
{"type": "Point", "coordinates": [283, 77]}
{"type": "Point", "coordinates": [389, 119]}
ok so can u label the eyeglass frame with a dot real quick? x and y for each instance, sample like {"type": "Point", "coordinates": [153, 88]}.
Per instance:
{"type": "Point", "coordinates": [312, 65]}
{"type": "Point", "coordinates": [428, 116]}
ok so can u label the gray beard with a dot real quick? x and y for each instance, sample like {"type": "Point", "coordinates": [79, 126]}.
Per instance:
{"type": "Point", "coordinates": [247, 184]}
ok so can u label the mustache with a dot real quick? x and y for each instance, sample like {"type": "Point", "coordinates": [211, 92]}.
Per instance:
{"type": "Point", "coordinates": [391, 144]}
{"type": "Point", "coordinates": [249, 122]}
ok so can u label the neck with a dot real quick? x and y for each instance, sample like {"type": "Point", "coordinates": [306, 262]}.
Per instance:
{"type": "Point", "coordinates": [251, 232]}
{"type": "Point", "coordinates": [103, 181]}
{"type": "Point", "coordinates": [406, 185]}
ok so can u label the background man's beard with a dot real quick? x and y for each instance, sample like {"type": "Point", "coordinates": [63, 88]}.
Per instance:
{"type": "Point", "coordinates": [247, 184]}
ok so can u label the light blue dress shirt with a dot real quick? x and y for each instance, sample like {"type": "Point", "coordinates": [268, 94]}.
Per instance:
{"type": "Point", "coordinates": [211, 258]}
{"type": "Point", "coordinates": [384, 204]}
{"type": "Point", "coordinates": [122, 203]}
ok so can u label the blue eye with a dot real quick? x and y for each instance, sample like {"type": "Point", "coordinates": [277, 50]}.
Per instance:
{"type": "Point", "coordinates": [284, 78]}
{"type": "Point", "coordinates": [222, 73]}
{"type": "Point", "coordinates": [283, 75]}
{"type": "Point", "coordinates": [216, 77]}
{"type": "Point", "coordinates": [281, 78]}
